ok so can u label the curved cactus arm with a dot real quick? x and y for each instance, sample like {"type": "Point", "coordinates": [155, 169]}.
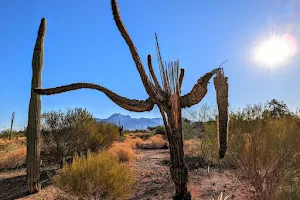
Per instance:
{"type": "Point", "coordinates": [128, 104]}
{"type": "Point", "coordinates": [198, 91]}
{"type": "Point", "coordinates": [154, 93]}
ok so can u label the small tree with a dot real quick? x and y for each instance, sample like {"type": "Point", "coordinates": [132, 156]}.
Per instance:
{"type": "Point", "coordinates": [278, 109]}
{"type": "Point", "coordinates": [167, 96]}
{"type": "Point", "coordinates": [74, 131]}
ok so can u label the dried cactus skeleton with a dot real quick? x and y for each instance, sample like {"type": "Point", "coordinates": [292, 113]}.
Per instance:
{"type": "Point", "coordinates": [167, 96]}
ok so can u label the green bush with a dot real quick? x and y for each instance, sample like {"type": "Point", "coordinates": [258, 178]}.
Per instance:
{"type": "Point", "coordinates": [160, 130]}
{"type": "Point", "coordinates": [75, 131]}
{"type": "Point", "coordinates": [98, 176]}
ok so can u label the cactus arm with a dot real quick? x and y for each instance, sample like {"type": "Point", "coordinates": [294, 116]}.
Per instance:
{"type": "Point", "coordinates": [221, 86]}
{"type": "Point", "coordinates": [152, 72]}
{"type": "Point", "coordinates": [154, 93]}
{"type": "Point", "coordinates": [198, 91]}
{"type": "Point", "coordinates": [128, 104]}
{"type": "Point", "coordinates": [180, 79]}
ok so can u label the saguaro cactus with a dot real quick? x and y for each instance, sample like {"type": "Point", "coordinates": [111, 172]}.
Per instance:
{"type": "Point", "coordinates": [34, 114]}
{"type": "Point", "coordinates": [167, 96]}
{"type": "Point", "coordinates": [11, 124]}
{"type": "Point", "coordinates": [120, 129]}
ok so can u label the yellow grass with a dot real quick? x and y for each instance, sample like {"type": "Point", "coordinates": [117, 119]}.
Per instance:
{"type": "Point", "coordinates": [99, 174]}
{"type": "Point", "coordinates": [123, 150]}
{"type": "Point", "coordinates": [157, 141]}
{"type": "Point", "coordinates": [12, 153]}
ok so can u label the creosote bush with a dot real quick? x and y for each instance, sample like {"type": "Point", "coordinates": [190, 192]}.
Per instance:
{"type": "Point", "coordinates": [74, 131]}
{"type": "Point", "coordinates": [99, 175]}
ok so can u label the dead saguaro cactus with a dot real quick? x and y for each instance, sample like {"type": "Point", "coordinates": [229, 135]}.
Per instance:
{"type": "Point", "coordinates": [221, 86]}
{"type": "Point", "coordinates": [11, 124]}
{"type": "Point", "coordinates": [34, 115]}
{"type": "Point", "coordinates": [167, 96]}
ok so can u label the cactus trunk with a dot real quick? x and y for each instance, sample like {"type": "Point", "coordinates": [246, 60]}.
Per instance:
{"type": "Point", "coordinates": [178, 168]}
{"type": "Point", "coordinates": [34, 127]}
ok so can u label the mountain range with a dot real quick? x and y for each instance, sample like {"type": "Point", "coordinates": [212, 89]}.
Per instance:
{"type": "Point", "coordinates": [130, 123]}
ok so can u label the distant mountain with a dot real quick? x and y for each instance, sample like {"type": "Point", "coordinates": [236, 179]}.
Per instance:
{"type": "Point", "coordinates": [130, 123]}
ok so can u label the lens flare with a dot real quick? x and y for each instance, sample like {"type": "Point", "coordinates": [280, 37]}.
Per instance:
{"type": "Point", "coordinates": [276, 50]}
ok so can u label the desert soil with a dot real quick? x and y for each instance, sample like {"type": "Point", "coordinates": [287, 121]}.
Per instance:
{"type": "Point", "coordinates": [153, 182]}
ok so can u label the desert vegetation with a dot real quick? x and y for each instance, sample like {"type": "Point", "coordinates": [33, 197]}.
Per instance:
{"type": "Point", "coordinates": [263, 148]}
{"type": "Point", "coordinates": [249, 153]}
{"type": "Point", "coordinates": [263, 154]}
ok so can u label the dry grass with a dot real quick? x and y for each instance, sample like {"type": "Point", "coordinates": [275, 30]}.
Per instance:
{"type": "Point", "coordinates": [12, 153]}
{"type": "Point", "coordinates": [122, 152]}
{"type": "Point", "coordinates": [157, 141]}
{"type": "Point", "coordinates": [154, 142]}
{"type": "Point", "coordinates": [192, 147]}
{"type": "Point", "coordinates": [125, 150]}
{"type": "Point", "coordinates": [132, 142]}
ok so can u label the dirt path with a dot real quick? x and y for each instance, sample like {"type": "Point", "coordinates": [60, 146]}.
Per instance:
{"type": "Point", "coordinates": [154, 182]}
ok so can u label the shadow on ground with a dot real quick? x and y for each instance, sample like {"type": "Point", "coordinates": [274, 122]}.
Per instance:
{"type": "Point", "coordinates": [14, 187]}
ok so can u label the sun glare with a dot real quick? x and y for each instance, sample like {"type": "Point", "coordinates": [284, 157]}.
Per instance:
{"type": "Point", "coordinates": [275, 50]}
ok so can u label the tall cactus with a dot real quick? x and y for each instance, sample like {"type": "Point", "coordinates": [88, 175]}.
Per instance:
{"type": "Point", "coordinates": [34, 114]}
{"type": "Point", "coordinates": [167, 97]}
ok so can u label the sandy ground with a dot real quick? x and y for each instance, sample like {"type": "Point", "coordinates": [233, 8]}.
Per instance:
{"type": "Point", "coordinates": [153, 182]}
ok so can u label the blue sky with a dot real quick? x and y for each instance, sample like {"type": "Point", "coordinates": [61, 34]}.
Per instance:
{"type": "Point", "coordinates": [83, 45]}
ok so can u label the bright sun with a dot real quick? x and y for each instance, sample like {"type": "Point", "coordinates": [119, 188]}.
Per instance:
{"type": "Point", "coordinates": [275, 50]}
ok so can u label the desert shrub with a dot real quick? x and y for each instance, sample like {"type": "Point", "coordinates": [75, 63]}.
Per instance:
{"type": "Point", "coordinates": [99, 175]}
{"type": "Point", "coordinates": [266, 150]}
{"type": "Point", "coordinates": [73, 131]}
{"type": "Point", "coordinates": [160, 130]}
{"type": "Point", "coordinates": [263, 143]}
{"type": "Point", "coordinates": [188, 130]}
{"type": "Point", "coordinates": [204, 146]}
{"type": "Point", "coordinates": [157, 141]}
{"type": "Point", "coordinates": [203, 150]}
{"type": "Point", "coordinates": [123, 151]}
{"type": "Point", "coordinates": [132, 142]}
{"type": "Point", "coordinates": [153, 142]}
{"type": "Point", "coordinates": [151, 128]}
{"type": "Point", "coordinates": [14, 134]}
